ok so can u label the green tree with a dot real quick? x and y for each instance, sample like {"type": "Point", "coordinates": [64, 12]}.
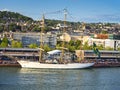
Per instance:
{"type": "Point", "coordinates": [78, 44]}
{"type": "Point", "coordinates": [46, 48]}
{"type": "Point", "coordinates": [19, 44]}
{"type": "Point", "coordinates": [71, 48]}
{"type": "Point", "coordinates": [33, 45]}
{"type": "Point", "coordinates": [46, 29]}
{"type": "Point", "coordinates": [71, 43]}
{"type": "Point", "coordinates": [5, 39]}
{"type": "Point", "coordinates": [1, 28]}
{"type": "Point", "coordinates": [16, 44]}
{"type": "Point", "coordinates": [36, 28]}
{"type": "Point", "coordinates": [109, 48]}
{"type": "Point", "coordinates": [12, 27]}
{"type": "Point", "coordinates": [100, 47]}
{"type": "Point", "coordinates": [86, 46]}
{"type": "Point", "coordinates": [59, 44]}
{"type": "Point", "coordinates": [119, 49]}
{"type": "Point", "coordinates": [13, 44]}
{"type": "Point", "coordinates": [104, 32]}
{"type": "Point", "coordinates": [4, 42]}
{"type": "Point", "coordinates": [3, 45]}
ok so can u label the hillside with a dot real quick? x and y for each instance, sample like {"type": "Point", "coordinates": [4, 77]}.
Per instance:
{"type": "Point", "coordinates": [16, 22]}
{"type": "Point", "coordinates": [9, 22]}
{"type": "Point", "coordinates": [7, 16]}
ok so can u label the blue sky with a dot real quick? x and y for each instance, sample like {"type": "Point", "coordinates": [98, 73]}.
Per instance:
{"type": "Point", "coordinates": [78, 10]}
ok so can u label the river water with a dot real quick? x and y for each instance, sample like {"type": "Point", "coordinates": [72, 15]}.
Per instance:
{"type": "Point", "coordinates": [46, 79]}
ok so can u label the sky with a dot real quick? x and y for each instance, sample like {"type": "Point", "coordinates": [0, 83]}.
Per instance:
{"type": "Point", "coordinates": [77, 10]}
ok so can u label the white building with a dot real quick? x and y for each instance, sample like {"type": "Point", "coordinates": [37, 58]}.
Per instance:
{"type": "Point", "coordinates": [105, 42]}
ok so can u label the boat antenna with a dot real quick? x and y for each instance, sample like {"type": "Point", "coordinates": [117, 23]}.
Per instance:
{"type": "Point", "coordinates": [64, 30]}
{"type": "Point", "coordinates": [41, 37]}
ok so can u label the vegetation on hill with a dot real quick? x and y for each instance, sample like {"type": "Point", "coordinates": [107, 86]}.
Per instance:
{"type": "Point", "coordinates": [15, 22]}
{"type": "Point", "coordinates": [9, 17]}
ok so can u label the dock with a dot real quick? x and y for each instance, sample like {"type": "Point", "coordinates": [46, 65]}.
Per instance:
{"type": "Point", "coordinates": [108, 58]}
{"type": "Point", "coordinates": [97, 64]}
{"type": "Point", "coordinates": [4, 63]}
{"type": "Point", "coordinates": [107, 64]}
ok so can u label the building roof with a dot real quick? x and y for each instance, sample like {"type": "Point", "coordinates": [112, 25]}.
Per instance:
{"type": "Point", "coordinates": [19, 49]}
{"type": "Point", "coordinates": [54, 52]}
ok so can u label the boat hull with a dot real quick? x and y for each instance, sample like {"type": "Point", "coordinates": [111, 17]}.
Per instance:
{"type": "Point", "coordinates": [30, 64]}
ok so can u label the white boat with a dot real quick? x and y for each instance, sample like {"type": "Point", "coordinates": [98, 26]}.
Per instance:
{"type": "Point", "coordinates": [37, 64]}
{"type": "Point", "coordinates": [54, 64]}
{"type": "Point", "coordinates": [34, 64]}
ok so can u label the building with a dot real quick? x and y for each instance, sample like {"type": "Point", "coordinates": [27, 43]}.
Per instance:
{"type": "Point", "coordinates": [65, 37]}
{"type": "Point", "coordinates": [112, 41]}
{"type": "Point", "coordinates": [74, 36]}
{"type": "Point", "coordinates": [104, 55]}
{"type": "Point", "coordinates": [34, 38]}
{"type": "Point", "coordinates": [81, 54]}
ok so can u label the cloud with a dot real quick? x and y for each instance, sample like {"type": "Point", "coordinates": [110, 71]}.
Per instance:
{"type": "Point", "coordinates": [5, 9]}
{"type": "Point", "coordinates": [102, 18]}
{"type": "Point", "coordinates": [109, 17]}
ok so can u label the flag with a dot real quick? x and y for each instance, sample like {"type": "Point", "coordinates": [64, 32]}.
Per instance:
{"type": "Point", "coordinates": [95, 49]}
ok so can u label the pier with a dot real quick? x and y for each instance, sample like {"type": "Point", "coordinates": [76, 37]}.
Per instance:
{"type": "Point", "coordinates": [108, 58]}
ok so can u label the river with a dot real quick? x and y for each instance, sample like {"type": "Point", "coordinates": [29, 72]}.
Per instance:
{"type": "Point", "coordinates": [46, 79]}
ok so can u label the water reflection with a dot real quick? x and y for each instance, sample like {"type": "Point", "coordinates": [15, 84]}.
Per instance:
{"type": "Point", "coordinates": [49, 79]}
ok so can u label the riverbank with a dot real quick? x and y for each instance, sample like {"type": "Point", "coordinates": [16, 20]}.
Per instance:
{"type": "Point", "coordinates": [97, 64]}
{"type": "Point", "coordinates": [9, 64]}
{"type": "Point", "coordinates": [113, 64]}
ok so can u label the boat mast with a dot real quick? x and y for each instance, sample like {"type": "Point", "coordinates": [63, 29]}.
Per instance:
{"type": "Point", "coordinates": [64, 30]}
{"type": "Point", "coordinates": [81, 47]}
{"type": "Point", "coordinates": [41, 38]}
